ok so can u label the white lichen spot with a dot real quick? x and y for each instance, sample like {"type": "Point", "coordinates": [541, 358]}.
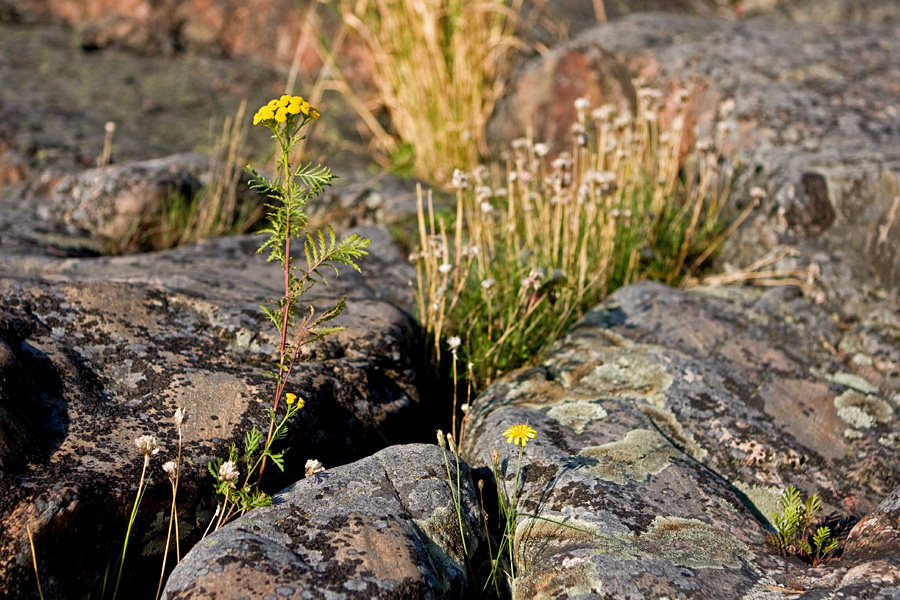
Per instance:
{"type": "Point", "coordinates": [693, 543]}
{"type": "Point", "coordinates": [576, 414]}
{"type": "Point", "coordinates": [862, 411]}
{"type": "Point", "coordinates": [853, 381]}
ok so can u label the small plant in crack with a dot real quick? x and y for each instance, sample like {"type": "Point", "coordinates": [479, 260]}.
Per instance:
{"type": "Point", "coordinates": [795, 533]}
{"type": "Point", "coordinates": [288, 191]}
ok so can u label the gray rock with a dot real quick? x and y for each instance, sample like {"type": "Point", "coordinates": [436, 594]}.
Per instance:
{"type": "Point", "coordinates": [668, 424]}
{"type": "Point", "coordinates": [103, 350]}
{"type": "Point", "coordinates": [383, 527]}
{"type": "Point", "coordinates": [115, 204]}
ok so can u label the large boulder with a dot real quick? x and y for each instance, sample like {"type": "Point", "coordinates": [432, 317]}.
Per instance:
{"type": "Point", "coordinates": [386, 526]}
{"type": "Point", "coordinates": [668, 425]}
{"type": "Point", "coordinates": [96, 352]}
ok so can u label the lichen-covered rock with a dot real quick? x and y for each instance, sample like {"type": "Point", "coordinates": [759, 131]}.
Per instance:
{"type": "Point", "coordinates": [100, 351]}
{"type": "Point", "coordinates": [669, 423]}
{"type": "Point", "coordinates": [383, 527]}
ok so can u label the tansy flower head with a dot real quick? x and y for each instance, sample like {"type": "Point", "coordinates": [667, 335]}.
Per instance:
{"type": "Point", "coordinates": [519, 434]}
{"type": "Point", "coordinates": [291, 398]}
{"type": "Point", "coordinates": [282, 109]}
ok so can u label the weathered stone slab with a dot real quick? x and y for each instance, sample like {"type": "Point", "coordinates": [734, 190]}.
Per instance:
{"type": "Point", "coordinates": [669, 423]}
{"type": "Point", "coordinates": [383, 527]}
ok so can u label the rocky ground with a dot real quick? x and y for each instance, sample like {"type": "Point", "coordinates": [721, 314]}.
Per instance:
{"type": "Point", "coordinates": [668, 421]}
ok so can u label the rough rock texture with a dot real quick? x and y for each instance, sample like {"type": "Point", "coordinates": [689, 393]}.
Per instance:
{"type": "Point", "coordinates": [265, 28]}
{"type": "Point", "coordinates": [112, 203]}
{"type": "Point", "coordinates": [668, 423]}
{"type": "Point", "coordinates": [96, 352]}
{"type": "Point", "coordinates": [814, 121]}
{"type": "Point", "coordinates": [383, 527]}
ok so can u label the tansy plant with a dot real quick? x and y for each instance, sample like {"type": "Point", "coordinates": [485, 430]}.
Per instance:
{"type": "Point", "coordinates": [237, 478]}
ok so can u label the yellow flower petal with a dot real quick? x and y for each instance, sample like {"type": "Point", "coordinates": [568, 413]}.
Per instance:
{"type": "Point", "coordinates": [519, 434]}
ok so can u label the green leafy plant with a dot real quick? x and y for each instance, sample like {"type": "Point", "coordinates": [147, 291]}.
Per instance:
{"type": "Point", "coordinates": [289, 191]}
{"type": "Point", "coordinates": [795, 536]}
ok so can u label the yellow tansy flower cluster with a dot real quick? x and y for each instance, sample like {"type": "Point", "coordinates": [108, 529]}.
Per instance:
{"type": "Point", "coordinates": [280, 109]}
{"type": "Point", "coordinates": [291, 398]}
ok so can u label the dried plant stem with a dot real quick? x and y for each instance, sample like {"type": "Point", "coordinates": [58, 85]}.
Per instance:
{"type": "Point", "coordinates": [37, 576]}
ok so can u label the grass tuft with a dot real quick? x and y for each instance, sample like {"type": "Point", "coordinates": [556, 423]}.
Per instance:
{"type": "Point", "coordinates": [532, 249]}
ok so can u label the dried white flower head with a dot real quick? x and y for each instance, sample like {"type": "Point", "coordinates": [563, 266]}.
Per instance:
{"type": "Point", "coordinates": [171, 469]}
{"type": "Point", "coordinates": [228, 472]}
{"type": "Point", "coordinates": [582, 104]}
{"type": "Point", "coordinates": [146, 445]}
{"type": "Point", "coordinates": [757, 192]}
{"type": "Point", "coordinates": [180, 415]}
{"type": "Point", "coordinates": [313, 466]}
{"type": "Point", "coordinates": [488, 283]}
{"type": "Point", "coordinates": [541, 149]}
{"type": "Point", "coordinates": [604, 113]}
{"type": "Point", "coordinates": [486, 208]}
{"type": "Point", "coordinates": [442, 443]}
{"type": "Point", "coordinates": [454, 342]}
{"type": "Point", "coordinates": [445, 268]}
{"type": "Point", "coordinates": [460, 179]}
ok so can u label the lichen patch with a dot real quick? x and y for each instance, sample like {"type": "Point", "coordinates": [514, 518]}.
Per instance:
{"type": "Point", "coordinates": [692, 543]}
{"type": "Point", "coordinates": [635, 457]}
{"type": "Point", "coordinates": [576, 414]}
{"type": "Point", "coordinates": [632, 374]}
{"type": "Point", "coordinates": [862, 411]}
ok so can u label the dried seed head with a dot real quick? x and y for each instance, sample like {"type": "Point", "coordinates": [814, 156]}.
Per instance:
{"type": "Point", "coordinates": [440, 438]}
{"type": "Point", "coordinates": [146, 445]}
{"type": "Point", "coordinates": [180, 416]}
{"type": "Point", "coordinates": [313, 466]}
{"type": "Point", "coordinates": [171, 469]}
{"type": "Point", "coordinates": [228, 472]}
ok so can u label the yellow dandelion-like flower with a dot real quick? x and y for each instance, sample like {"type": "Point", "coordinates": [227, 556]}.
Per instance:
{"type": "Point", "coordinates": [273, 103]}
{"type": "Point", "coordinates": [298, 100]}
{"type": "Point", "coordinates": [519, 434]}
{"type": "Point", "coordinates": [281, 114]}
{"type": "Point", "coordinates": [283, 101]}
{"type": "Point", "coordinates": [293, 109]}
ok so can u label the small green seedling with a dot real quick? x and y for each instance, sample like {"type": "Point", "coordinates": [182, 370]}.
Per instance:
{"type": "Point", "coordinates": [794, 534]}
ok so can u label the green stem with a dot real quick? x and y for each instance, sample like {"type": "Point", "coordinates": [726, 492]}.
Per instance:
{"type": "Point", "coordinates": [134, 510]}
